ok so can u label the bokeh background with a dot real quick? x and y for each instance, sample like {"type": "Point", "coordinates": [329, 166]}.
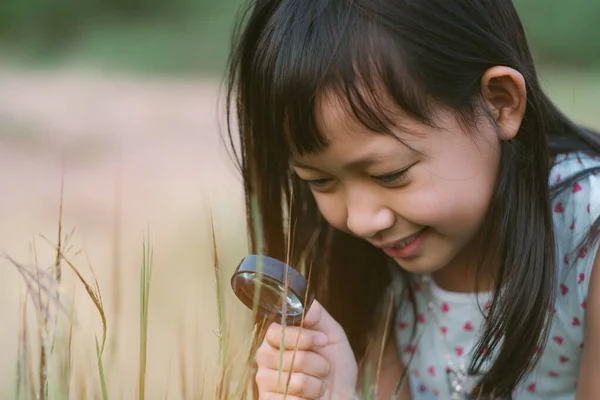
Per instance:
{"type": "Point", "coordinates": [122, 99]}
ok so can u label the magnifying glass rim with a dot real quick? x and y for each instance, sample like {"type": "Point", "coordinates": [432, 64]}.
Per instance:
{"type": "Point", "coordinates": [275, 270]}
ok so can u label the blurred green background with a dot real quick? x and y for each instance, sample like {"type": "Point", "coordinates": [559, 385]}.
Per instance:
{"type": "Point", "coordinates": [192, 36]}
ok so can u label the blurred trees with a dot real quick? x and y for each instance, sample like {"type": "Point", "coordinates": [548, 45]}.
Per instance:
{"type": "Point", "coordinates": [563, 32]}
{"type": "Point", "coordinates": [560, 32]}
{"type": "Point", "coordinates": [58, 21]}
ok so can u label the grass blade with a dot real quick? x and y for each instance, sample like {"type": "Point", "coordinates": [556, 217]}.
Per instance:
{"type": "Point", "coordinates": [101, 372]}
{"type": "Point", "coordinates": [258, 234]}
{"type": "Point", "coordinates": [240, 389]}
{"type": "Point", "coordinates": [221, 390]}
{"type": "Point", "coordinates": [220, 313]}
{"type": "Point", "coordinates": [22, 351]}
{"type": "Point", "coordinates": [386, 329]}
{"type": "Point", "coordinates": [183, 384]}
{"type": "Point", "coordinates": [94, 295]}
{"type": "Point", "coordinates": [57, 265]}
{"type": "Point", "coordinates": [287, 383]}
{"type": "Point", "coordinates": [145, 276]}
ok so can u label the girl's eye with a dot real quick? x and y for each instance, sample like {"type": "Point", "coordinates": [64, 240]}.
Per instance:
{"type": "Point", "coordinates": [318, 183]}
{"type": "Point", "coordinates": [392, 178]}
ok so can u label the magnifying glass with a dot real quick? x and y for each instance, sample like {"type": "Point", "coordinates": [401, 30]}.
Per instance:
{"type": "Point", "coordinates": [283, 291]}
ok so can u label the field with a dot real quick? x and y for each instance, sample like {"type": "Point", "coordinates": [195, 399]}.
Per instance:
{"type": "Point", "coordinates": [140, 157]}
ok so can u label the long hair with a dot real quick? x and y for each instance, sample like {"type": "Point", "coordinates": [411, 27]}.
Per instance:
{"type": "Point", "coordinates": [419, 53]}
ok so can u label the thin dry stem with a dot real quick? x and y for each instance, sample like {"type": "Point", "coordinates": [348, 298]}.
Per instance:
{"type": "Point", "coordinates": [146, 274]}
{"type": "Point", "coordinates": [183, 384]}
{"type": "Point", "coordinates": [290, 233]}
{"type": "Point", "coordinates": [198, 392]}
{"type": "Point", "coordinates": [388, 320]}
{"type": "Point", "coordinates": [221, 389]}
{"type": "Point", "coordinates": [28, 364]}
{"type": "Point", "coordinates": [248, 360]}
{"type": "Point", "coordinates": [258, 234]}
{"type": "Point", "coordinates": [57, 266]}
{"type": "Point", "coordinates": [21, 350]}
{"type": "Point", "coordinates": [287, 384]}
{"type": "Point", "coordinates": [43, 377]}
{"type": "Point", "coordinates": [96, 297]}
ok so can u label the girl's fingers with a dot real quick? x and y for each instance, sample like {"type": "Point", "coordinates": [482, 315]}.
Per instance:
{"type": "Point", "coordinates": [277, 396]}
{"type": "Point", "coordinates": [295, 337]}
{"type": "Point", "coordinates": [271, 381]}
{"type": "Point", "coordinates": [307, 362]}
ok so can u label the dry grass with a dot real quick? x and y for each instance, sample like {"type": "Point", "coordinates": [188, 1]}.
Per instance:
{"type": "Point", "coordinates": [145, 154]}
{"type": "Point", "coordinates": [55, 352]}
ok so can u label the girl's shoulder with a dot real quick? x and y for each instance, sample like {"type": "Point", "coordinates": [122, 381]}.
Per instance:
{"type": "Point", "coordinates": [576, 204]}
{"type": "Point", "coordinates": [575, 208]}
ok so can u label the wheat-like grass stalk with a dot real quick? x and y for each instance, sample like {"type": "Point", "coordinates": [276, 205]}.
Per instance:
{"type": "Point", "coordinates": [220, 308]}
{"type": "Point", "coordinates": [21, 368]}
{"type": "Point", "coordinates": [101, 372]}
{"type": "Point", "coordinates": [93, 291]}
{"type": "Point", "coordinates": [221, 388]}
{"type": "Point", "coordinates": [183, 384]}
{"type": "Point", "coordinates": [287, 384]}
{"type": "Point", "coordinates": [145, 276]}
{"type": "Point", "coordinates": [239, 393]}
{"type": "Point", "coordinates": [258, 234]}
{"type": "Point", "coordinates": [290, 232]}
{"type": "Point", "coordinates": [386, 329]}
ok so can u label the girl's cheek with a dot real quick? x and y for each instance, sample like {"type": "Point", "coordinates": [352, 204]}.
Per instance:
{"type": "Point", "coordinates": [333, 210]}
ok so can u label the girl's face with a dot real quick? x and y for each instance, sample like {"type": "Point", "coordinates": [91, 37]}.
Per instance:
{"type": "Point", "coordinates": [421, 202]}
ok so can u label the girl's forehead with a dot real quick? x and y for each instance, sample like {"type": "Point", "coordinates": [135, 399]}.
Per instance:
{"type": "Point", "coordinates": [351, 146]}
{"type": "Point", "coordinates": [337, 120]}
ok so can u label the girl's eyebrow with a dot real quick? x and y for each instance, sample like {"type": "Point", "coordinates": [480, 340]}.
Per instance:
{"type": "Point", "coordinates": [360, 163]}
{"type": "Point", "coordinates": [296, 164]}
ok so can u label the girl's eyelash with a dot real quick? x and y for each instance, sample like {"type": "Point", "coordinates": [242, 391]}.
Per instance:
{"type": "Point", "coordinates": [393, 177]}
{"type": "Point", "coordinates": [317, 182]}
{"type": "Point", "coordinates": [385, 179]}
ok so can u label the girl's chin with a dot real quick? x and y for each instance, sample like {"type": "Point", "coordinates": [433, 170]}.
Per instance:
{"type": "Point", "coordinates": [420, 265]}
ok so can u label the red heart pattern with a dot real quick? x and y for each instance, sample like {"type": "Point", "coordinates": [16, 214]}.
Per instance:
{"type": "Point", "coordinates": [555, 366]}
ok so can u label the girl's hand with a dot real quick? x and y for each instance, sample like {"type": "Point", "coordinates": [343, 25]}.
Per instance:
{"type": "Point", "coordinates": [324, 366]}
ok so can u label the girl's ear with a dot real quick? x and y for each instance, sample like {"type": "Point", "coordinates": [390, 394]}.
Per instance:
{"type": "Point", "coordinates": [505, 94]}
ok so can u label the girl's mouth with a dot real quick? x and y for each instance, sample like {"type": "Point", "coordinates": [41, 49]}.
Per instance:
{"type": "Point", "coordinates": [407, 247]}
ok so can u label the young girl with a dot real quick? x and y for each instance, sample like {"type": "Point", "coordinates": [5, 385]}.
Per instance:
{"type": "Point", "coordinates": [415, 134]}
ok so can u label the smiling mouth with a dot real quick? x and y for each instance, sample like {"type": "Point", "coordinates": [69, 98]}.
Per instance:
{"type": "Point", "coordinates": [407, 247]}
{"type": "Point", "coordinates": [404, 242]}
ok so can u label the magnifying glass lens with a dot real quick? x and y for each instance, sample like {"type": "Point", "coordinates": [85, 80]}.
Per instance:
{"type": "Point", "coordinates": [273, 296]}
{"type": "Point", "coordinates": [282, 291]}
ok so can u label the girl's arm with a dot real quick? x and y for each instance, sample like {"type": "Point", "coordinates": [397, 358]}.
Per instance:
{"type": "Point", "coordinates": [391, 371]}
{"type": "Point", "coordinates": [588, 386]}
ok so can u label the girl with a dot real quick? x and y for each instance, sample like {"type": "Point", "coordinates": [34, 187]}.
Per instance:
{"type": "Point", "coordinates": [416, 132]}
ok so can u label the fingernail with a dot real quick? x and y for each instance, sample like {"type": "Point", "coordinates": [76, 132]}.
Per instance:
{"type": "Point", "coordinates": [321, 340]}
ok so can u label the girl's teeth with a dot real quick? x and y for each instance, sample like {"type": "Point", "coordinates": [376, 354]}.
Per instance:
{"type": "Point", "coordinates": [405, 242]}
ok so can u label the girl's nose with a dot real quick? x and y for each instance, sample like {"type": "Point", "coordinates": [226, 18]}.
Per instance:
{"type": "Point", "coordinates": [367, 222]}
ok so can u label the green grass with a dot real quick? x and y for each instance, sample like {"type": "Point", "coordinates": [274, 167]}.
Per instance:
{"type": "Point", "coordinates": [145, 277]}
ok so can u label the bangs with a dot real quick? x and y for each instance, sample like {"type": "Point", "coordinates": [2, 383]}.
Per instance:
{"type": "Point", "coordinates": [310, 50]}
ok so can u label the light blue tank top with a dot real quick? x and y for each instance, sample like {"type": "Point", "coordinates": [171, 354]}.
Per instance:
{"type": "Point", "coordinates": [448, 323]}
